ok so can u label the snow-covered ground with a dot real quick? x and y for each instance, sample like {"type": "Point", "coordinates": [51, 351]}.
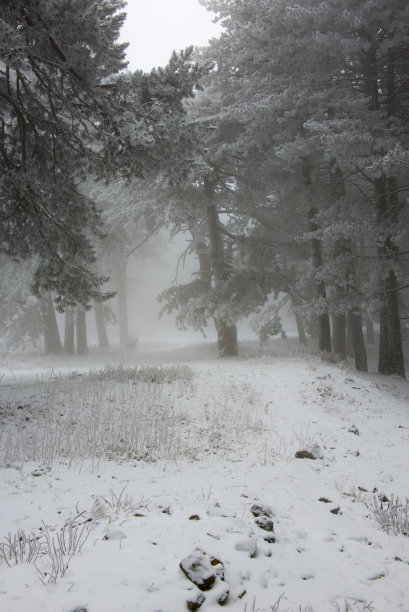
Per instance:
{"type": "Point", "coordinates": [107, 486]}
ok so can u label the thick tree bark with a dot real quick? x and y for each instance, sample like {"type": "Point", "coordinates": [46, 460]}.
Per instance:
{"type": "Point", "coordinates": [226, 331]}
{"type": "Point", "coordinates": [81, 325]}
{"type": "Point", "coordinates": [69, 331]}
{"type": "Point", "coordinates": [100, 324]}
{"type": "Point", "coordinates": [122, 302]}
{"type": "Point", "coordinates": [226, 338]}
{"type": "Point", "coordinates": [52, 341]}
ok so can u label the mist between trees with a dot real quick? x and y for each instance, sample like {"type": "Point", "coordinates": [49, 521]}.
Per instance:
{"type": "Point", "coordinates": [280, 151]}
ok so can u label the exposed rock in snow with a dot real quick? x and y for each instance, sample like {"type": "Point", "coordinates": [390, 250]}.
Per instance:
{"type": "Point", "coordinates": [310, 451]}
{"type": "Point", "coordinates": [202, 569]}
{"type": "Point", "coordinates": [195, 601]}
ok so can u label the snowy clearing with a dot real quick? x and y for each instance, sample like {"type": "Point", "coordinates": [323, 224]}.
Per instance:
{"type": "Point", "coordinates": [111, 480]}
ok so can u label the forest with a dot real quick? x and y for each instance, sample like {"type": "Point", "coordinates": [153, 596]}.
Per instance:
{"type": "Point", "coordinates": [257, 183]}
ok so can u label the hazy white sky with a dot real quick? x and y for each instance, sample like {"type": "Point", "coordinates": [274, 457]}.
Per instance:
{"type": "Point", "coordinates": [154, 28]}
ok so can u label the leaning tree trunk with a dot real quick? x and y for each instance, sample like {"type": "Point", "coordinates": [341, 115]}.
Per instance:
{"type": "Point", "coordinates": [81, 324]}
{"type": "Point", "coordinates": [69, 331]}
{"type": "Point", "coordinates": [226, 330]}
{"type": "Point", "coordinates": [52, 342]}
{"type": "Point", "coordinates": [122, 302]}
{"type": "Point", "coordinates": [101, 326]}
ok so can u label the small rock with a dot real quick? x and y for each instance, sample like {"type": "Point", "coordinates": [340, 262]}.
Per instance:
{"type": "Point", "coordinates": [325, 500]}
{"type": "Point", "coordinates": [261, 510]}
{"type": "Point", "coordinates": [265, 523]}
{"type": "Point", "coordinates": [202, 569]}
{"type": "Point", "coordinates": [310, 452]}
{"type": "Point", "coordinates": [195, 602]}
{"type": "Point", "coordinates": [336, 510]}
{"type": "Point", "coordinates": [354, 430]}
{"type": "Point", "coordinates": [194, 517]}
{"type": "Point", "coordinates": [223, 598]}
{"type": "Point", "coordinates": [270, 539]}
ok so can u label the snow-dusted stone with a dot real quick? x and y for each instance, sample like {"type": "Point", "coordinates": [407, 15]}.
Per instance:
{"type": "Point", "coordinates": [261, 510]}
{"type": "Point", "coordinates": [223, 598]}
{"type": "Point", "coordinates": [264, 522]}
{"type": "Point", "coordinates": [310, 451]}
{"type": "Point", "coordinates": [195, 601]}
{"type": "Point", "coordinates": [202, 569]}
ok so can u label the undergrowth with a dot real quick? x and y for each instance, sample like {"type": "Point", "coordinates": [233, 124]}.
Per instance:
{"type": "Point", "coordinates": [158, 374]}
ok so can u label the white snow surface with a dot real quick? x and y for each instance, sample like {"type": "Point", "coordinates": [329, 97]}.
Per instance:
{"type": "Point", "coordinates": [219, 443]}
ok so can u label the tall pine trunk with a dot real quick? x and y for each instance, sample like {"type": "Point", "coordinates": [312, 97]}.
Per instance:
{"type": "Point", "coordinates": [101, 326]}
{"type": "Point", "coordinates": [52, 341]}
{"type": "Point", "coordinates": [391, 359]}
{"type": "Point", "coordinates": [81, 325]}
{"type": "Point", "coordinates": [226, 330]}
{"type": "Point", "coordinates": [69, 331]}
{"type": "Point", "coordinates": [344, 250]}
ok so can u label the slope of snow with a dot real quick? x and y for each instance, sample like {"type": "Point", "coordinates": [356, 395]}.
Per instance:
{"type": "Point", "coordinates": [218, 445]}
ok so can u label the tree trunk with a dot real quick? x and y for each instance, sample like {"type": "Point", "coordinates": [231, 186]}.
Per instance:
{"type": "Point", "coordinates": [226, 330]}
{"type": "Point", "coordinates": [324, 338]}
{"type": "Point", "coordinates": [81, 324]}
{"type": "Point", "coordinates": [226, 338]}
{"type": "Point", "coordinates": [339, 335]}
{"type": "Point", "coordinates": [52, 342]}
{"type": "Point", "coordinates": [100, 324]}
{"type": "Point", "coordinates": [394, 333]}
{"type": "Point", "coordinates": [391, 359]}
{"type": "Point", "coordinates": [355, 325]}
{"type": "Point", "coordinates": [69, 329]}
{"type": "Point", "coordinates": [122, 302]}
